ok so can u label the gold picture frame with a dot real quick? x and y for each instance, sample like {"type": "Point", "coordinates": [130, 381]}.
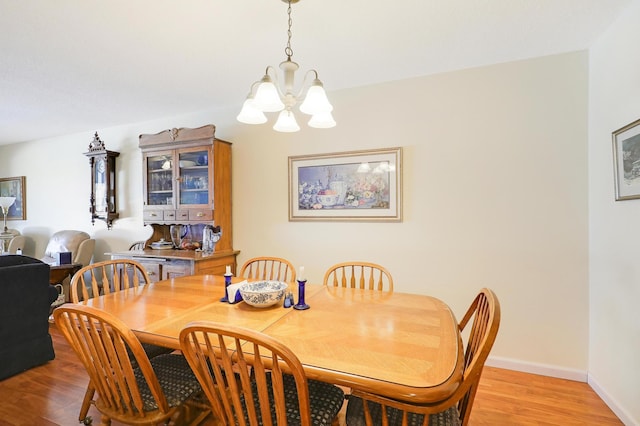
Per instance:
{"type": "Point", "coordinates": [15, 187]}
{"type": "Point", "coordinates": [363, 186]}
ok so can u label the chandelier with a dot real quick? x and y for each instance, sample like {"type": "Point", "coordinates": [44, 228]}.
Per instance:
{"type": "Point", "coordinates": [267, 96]}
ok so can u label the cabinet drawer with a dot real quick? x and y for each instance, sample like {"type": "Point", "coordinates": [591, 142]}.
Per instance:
{"type": "Point", "coordinates": [200, 215]}
{"type": "Point", "coordinates": [152, 215]}
{"type": "Point", "coordinates": [182, 214]}
{"type": "Point", "coordinates": [176, 268]}
{"type": "Point", "coordinates": [169, 215]}
{"type": "Point", "coordinates": [153, 270]}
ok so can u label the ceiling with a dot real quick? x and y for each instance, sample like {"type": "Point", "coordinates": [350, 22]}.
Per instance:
{"type": "Point", "coordinates": [71, 66]}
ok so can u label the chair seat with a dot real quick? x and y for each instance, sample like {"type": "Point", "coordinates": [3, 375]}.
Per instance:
{"type": "Point", "coordinates": [153, 351]}
{"type": "Point", "coordinates": [176, 379]}
{"type": "Point", "coordinates": [355, 415]}
{"type": "Point", "coordinates": [325, 401]}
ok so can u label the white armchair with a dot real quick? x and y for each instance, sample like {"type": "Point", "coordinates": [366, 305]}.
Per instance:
{"type": "Point", "coordinates": [79, 243]}
{"type": "Point", "coordinates": [17, 242]}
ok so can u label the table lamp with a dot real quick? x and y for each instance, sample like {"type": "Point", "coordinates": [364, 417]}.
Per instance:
{"type": "Point", "coordinates": [5, 203]}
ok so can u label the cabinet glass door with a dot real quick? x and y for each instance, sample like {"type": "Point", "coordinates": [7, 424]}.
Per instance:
{"type": "Point", "coordinates": [159, 180]}
{"type": "Point", "coordinates": [194, 177]}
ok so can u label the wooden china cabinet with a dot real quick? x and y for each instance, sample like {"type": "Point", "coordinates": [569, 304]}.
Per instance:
{"type": "Point", "coordinates": [186, 181]}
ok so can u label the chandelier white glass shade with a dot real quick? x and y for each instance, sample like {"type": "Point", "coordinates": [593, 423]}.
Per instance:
{"type": "Point", "coordinates": [266, 96]}
{"type": "Point", "coordinates": [5, 203]}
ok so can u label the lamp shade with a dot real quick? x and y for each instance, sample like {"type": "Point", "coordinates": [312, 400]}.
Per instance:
{"type": "Point", "coordinates": [286, 122]}
{"type": "Point", "coordinates": [316, 100]}
{"type": "Point", "coordinates": [267, 98]}
{"type": "Point", "coordinates": [6, 202]}
{"type": "Point", "coordinates": [250, 114]}
{"type": "Point", "coordinates": [322, 120]}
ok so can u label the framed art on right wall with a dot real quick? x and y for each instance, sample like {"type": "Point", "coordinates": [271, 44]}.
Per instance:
{"type": "Point", "coordinates": [626, 159]}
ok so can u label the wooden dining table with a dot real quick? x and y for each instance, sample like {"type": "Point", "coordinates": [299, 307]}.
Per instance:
{"type": "Point", "coordinates": [404, 346]}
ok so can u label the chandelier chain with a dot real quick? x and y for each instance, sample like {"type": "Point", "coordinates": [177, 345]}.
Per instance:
{"type": "Point", "coordinates": [288, 50]}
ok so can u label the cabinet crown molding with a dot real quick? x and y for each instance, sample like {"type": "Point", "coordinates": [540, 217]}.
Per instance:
{"type": "Point", "coordinates": [185, 136]}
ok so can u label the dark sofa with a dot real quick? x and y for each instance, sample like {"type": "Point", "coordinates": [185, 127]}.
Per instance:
{"type": "Point", "coordinates": [25, 299]}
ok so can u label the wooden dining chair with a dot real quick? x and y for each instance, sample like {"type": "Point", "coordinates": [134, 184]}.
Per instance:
{"type": "Point", "coordinates": [248, 375]}
{"type": "Point", "coordinates": [365, 275]}
{"type": "Point", "coordinates": [107, 277]}
{"type": "Point", "coordinates": [368, 409]}
{"type": "Point", "coordinates": [137, 245]}
{"type": "Point", "coordinates": [269, 268]}
{"type": "Point", "coordinates": [148, 391]}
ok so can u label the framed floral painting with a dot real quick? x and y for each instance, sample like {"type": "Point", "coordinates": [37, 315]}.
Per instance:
{"type": "Point", "coordinates": [626, 158]}
{"type": "Point", "coordinates": [346, 186]}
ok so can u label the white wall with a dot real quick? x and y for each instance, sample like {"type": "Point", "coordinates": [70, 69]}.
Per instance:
{"type": "Point", "coordinates": [495, 194]}
{"type": "Point", "coordinates": [614, 226]}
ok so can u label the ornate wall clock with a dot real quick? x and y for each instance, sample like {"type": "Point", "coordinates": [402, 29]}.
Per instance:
{"type": "Point", "coordinates": [103, 182]}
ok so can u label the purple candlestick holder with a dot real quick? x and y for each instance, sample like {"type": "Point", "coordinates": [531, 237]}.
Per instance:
{"type": "Point", "coordinates": [301, 305]}
{"type": "Point", "coordinates": [227, 281]}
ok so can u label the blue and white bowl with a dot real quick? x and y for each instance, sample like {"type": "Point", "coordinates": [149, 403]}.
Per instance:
{"type": "Point", "coordinates": [262, 294]}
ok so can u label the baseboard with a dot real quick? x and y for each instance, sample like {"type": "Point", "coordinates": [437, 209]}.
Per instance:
{"type": "Point", "coordinates": [563, 373]}
{"type": "Point", "coordinates": [535, 368]}
{"type": "Point", "coordinates": [617, 409]}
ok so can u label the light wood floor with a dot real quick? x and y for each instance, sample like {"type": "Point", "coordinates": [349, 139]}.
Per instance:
{"type": "Point", "coordinates": [51, 395]}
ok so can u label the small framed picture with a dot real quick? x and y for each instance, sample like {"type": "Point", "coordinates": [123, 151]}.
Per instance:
{"type": "Point", "coordinates": [626, 158]}
{"type": "Point", "coordinates": [15, 187]}
{"type": "Point", "coordinates": [346, 186]}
